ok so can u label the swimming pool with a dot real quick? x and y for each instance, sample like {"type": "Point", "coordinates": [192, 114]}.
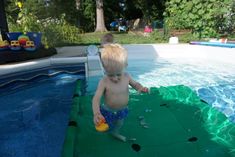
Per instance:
{"type": "Point", "coordinates": [213, 83]}
{"type": "Point", "coordinates": [209, 71]}
{"type": "Point", "coordinates": [35, 109]}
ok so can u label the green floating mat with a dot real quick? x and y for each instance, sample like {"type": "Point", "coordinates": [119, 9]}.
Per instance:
{"type": "Point", "coordinates": [177, 123]}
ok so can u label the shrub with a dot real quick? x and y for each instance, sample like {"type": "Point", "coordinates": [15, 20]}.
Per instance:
{"type": "Point", "coordinates": [159, 36]}
{"type": "Point", "coordinates": [59, 32]}
{"type": "Point", "coordinates": [55, 32]}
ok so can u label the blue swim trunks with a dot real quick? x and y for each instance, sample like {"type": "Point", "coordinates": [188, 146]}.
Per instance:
{"type": "Point", "coordinates": [111, 116]}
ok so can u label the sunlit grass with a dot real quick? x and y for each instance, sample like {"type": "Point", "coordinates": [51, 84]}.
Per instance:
{"type": "Point", "coordinates": [122, 38]}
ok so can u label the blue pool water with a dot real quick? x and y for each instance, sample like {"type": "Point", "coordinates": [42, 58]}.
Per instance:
{"type": "Point", "coordinates": [213, 81]}
{"type": "Point", "coordinates": [34, 113]}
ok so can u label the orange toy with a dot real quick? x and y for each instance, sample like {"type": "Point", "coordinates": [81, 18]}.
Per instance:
{"type": "Point", "coordinates": [23, 39]}
{"type": "Point", "coordinates": [102, 126]}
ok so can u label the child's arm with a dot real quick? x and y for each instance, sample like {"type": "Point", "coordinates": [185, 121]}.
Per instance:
{"type": "Point", "coordinates": [137, 86]}
{"type": "Point", "coordinates": [96, 102]}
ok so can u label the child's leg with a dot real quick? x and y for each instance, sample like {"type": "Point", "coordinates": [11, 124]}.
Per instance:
{"type": "Point", "coordinates": [115, 131]}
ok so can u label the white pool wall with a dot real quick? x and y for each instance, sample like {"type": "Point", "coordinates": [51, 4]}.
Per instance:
{"type": "Point", "coordinates": [183, 51]}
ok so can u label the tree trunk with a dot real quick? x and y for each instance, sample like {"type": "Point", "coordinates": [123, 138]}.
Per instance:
{"type": "Point", "coordinates": [3, 20]}
{"type": "Point", "coordinates": [78, 7]}
{"type": "Point", "coordinates": [78, 4]}
{"type": "Point", "coordinates": [100, 25]}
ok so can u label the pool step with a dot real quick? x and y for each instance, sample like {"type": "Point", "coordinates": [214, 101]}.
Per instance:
{"type": "Point", "coordinates": [94, 66]}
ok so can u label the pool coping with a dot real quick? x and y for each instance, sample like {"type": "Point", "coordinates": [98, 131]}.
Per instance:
{"type": "Point", "coordinates": [40, 63]}
{"type": "Point", "coordinates": [68, 55]}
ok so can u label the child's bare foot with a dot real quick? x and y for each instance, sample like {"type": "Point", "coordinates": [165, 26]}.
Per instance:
{"type": "Point", "coordinates": [119, 136]}
{"type": "Point", "coordinates": [131, 139]}
{"type": "Point", "coordinates": [122, 138]}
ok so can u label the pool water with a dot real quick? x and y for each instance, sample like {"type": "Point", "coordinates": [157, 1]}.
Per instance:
{"type": "Point", "coordinates": [34, 115]}
{"type": "Point", "coordinates": [214, 82]}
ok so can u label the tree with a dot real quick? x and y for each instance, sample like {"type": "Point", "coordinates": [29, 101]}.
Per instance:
{"type": "Point", "coordinates": [149, 10]}
{"type": "Point", "coordinates": [100, 25]}
{"type": "Point", "coordinates": [205, 18]}
{"type": "Point", "coordinates": [3, 20]}
{"type": "Point", "coordinates": [69, 8]}
{"type": "Point", "coordinates": [87, 15]}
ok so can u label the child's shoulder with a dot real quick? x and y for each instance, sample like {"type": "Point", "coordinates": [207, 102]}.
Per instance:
{"type": "Point", "coordinates": [127, 74]}
{"type": "Point", "coordinates": [104, 79]}
{"type": "Point", "coordinates": [103, 82]}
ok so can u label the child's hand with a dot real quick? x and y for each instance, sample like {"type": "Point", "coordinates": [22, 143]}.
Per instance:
{"type": "Point", "coordinates": [144, 90]}
{"type": "Point", "coordinates": [98, 117]}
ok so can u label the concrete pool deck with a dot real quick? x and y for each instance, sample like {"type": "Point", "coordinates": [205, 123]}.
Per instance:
{"type": "Point", "coordinates": [77, 54]}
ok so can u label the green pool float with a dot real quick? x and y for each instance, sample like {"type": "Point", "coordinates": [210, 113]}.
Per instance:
{"type": "Point", "coordinates": [167, 122]}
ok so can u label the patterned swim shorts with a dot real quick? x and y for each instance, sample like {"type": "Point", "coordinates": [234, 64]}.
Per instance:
{"type": "Point", "coordinates": [112, 116]}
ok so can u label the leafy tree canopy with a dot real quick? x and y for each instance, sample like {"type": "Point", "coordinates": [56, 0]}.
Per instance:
{"type": "Point", "coordinates": [206, 18]}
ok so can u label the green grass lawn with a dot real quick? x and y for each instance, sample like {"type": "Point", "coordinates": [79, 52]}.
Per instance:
{"type": "Point", "coordinates": [122, 38]}
{"type": "Point", "coordinates": [132, 37]}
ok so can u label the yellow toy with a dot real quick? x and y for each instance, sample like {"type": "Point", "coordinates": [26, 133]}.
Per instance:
{"type": "Point", "coordinates": [102, 126]}
{"type": "Point", "coordinates": [4, 45]}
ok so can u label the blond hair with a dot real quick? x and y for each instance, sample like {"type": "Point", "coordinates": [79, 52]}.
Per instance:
{"type": "Point", "coordinates": [114, 58]}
